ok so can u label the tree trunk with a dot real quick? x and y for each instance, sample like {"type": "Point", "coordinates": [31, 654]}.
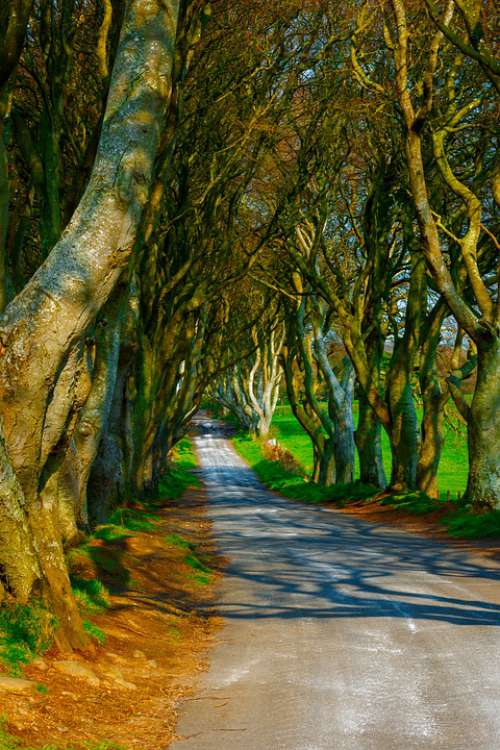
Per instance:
{"type": "Point", "coordinates": [95, 413]}
{"type": "Point", "coordinates": [52, 313]}
{"type": "Point", "coordinates": [4, 210]}
{"type": "Point", "coordinates": [403, 436]}
{"type": "Point", "coordinates": [327, 471]}
{"type": "Point", "coordinates": [368, 443]}
{"type": "Point", "coordinates": [431, 440]}
{"type": "Point", "coordinates": [344, 451]}
{"type": "Point", "coordinates": [19, 568]}
{"type": "Point", "coordinates": [483, 484]}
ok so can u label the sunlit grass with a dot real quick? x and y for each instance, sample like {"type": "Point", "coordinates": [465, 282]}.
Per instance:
{"type": "Point", "coordinates": [452, 477]}
{"type": "Point", "coordinates": [452, 474]}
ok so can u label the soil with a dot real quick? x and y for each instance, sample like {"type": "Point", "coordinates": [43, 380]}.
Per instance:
{"type": "Point", "coordinates": [158, 630]}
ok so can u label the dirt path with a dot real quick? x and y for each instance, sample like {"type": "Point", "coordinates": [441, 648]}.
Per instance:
{"type": "Point", "coordinates": [340, 634]}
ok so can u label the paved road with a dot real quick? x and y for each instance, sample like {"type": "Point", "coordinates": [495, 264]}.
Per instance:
{"type": "Point", "coordinates": [340, 634]}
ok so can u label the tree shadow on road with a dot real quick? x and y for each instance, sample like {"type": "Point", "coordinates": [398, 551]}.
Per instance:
{"type": "Point", "coordinates": [307, 562]}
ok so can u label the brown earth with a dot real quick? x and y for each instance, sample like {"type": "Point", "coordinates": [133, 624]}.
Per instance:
{"type": "Point", "coordinates": [158, 630]}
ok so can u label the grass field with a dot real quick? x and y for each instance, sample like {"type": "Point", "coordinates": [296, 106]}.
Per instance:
{"type": "Point", "coordinates": [459, 521]}
{"type": "Point", "coordinates": [452, 475]}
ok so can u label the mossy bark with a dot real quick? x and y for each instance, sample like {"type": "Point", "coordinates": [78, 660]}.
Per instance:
{"type": "Point", "coordinates": [368, 443]}
{"type": "Point", "coordinates": [45, 322]}
{"type": "Point", "coordinates": [483, 484]}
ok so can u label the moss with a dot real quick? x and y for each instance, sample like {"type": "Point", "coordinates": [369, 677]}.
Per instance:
{"type": "Point", "coordinates": [25, 632]}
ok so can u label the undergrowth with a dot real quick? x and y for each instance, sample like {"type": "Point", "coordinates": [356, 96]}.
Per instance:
{"type": "Point", "coordinates": [196, 560]}
{"type": "Point", "coordinates": [25, 632]}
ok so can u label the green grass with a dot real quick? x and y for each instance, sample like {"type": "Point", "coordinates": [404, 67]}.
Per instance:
{"type": "Point", "coordinates": [25, 632]}
{"type": "Point", "coordinates": [90, 593]}
{"type": "Point", "coordinates": [180, 476]}
{"type": "Point", "coordinates": [452, 475]}
{"type": "Point", "coordinates": [9, 742]}
{"type": "Point", "coordinates": [465, 525]}
{"type": "Point", "coordinates": [202, 573]}
{"type": "Point", "coordinates": [94, 631]}
{"type": "Point", "coordinates": [293, 485]}
{"type": "Point", "coordinates": [452, 478]}
{"type": "Point", "coordinates": [175, 540]}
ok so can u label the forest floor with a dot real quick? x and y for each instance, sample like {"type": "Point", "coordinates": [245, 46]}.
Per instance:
{"type": "Point", "coordinates": [157, 629]}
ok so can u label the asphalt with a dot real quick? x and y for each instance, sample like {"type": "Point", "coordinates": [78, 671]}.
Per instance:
{"type": "Point", "coordinates": [340, 634]}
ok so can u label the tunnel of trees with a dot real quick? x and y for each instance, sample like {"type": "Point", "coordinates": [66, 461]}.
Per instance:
{"type": "Point", "coordinates": [238, 200]}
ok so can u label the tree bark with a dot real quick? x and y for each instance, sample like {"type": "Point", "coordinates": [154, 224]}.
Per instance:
{"type": "Point", "coordinates": [368, 443]}
{"type": "Point", "coordinates": [46, 320]}
{"type": "Point", "coordinates": [483, 485]}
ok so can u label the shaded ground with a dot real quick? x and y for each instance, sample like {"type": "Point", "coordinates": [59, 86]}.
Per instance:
{"type": "Point", "coordinates": [426, 524]}
{"type": "Point", "coordinates": [340, 633]}
{"type": "Point", "coordinates": [157, 632]}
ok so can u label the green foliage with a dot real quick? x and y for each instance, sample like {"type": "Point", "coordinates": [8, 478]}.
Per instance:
{"type": "Point", "coordinates": [94, 632]}
{"type": "Point", "coordinates": [9, 742]}
{"type": "Point", "coordinates": [466, 525]}
{"type": "Point", "coordinates": [90, 593]}
{"type": "Point", "coordinates": [25, 632]}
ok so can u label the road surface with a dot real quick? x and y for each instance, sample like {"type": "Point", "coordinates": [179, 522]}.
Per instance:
{"type": "Point", "coordinates": [340, 634]}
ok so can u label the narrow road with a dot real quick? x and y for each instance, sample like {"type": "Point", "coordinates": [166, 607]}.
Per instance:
{"type": "Point", "coordinates": [340, 634]}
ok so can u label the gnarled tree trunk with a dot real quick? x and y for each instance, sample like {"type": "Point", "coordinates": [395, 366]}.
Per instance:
{"type": "Point", "coordinates": [45, 321]}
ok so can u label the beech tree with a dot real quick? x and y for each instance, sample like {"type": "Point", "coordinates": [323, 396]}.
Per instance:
{"type": "Point", "coordinates": [42, 328]}
{"type": "Point", "coordinates": [437, 109]}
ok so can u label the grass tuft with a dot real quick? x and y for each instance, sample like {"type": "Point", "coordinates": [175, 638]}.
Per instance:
{"type": "Point", "coordinates": [94, 632]}
{"type": "Point", "coordinates": [25, 632]}
{"type": "Point", "coordinates": [465, 525]}
{"type": "Point", "coordinates": [175, 540]}
{"type": "Point", "coordinates": [90, 593]}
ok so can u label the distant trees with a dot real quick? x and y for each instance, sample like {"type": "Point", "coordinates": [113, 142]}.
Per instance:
{"type": "Point", "coordinates": [386, 195]}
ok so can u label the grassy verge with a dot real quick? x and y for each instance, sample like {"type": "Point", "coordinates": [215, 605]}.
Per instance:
{"type": "Point", "coordinates": [459, 522]}
{"type": "Point", "coordinates": [96, 567]}
{"type": "Point", "coordinates": [452, 475]}
{"type": "Point", "coordinates": [294, 484]}
{"type": "Point", "coordinates": [201, 572]}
